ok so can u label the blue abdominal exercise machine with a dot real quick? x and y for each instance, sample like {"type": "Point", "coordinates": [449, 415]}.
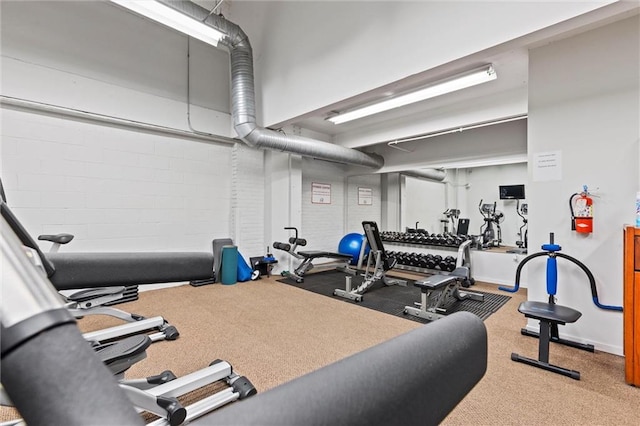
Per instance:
{"type": "Point", "coordinates": [551, 314]}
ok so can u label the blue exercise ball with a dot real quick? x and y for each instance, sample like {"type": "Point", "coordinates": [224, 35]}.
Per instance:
{"type": "Point", "coordinates": [351, 244]}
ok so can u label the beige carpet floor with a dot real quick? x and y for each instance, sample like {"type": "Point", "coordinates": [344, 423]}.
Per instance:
{"type": "Point", "coordinates": [272, 332]}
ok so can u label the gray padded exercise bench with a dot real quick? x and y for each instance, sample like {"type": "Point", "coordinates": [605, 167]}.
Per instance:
{"type": "Point", "coordinates": [378, 263]}
{"type": "Point", "coordinates": [438, 290]}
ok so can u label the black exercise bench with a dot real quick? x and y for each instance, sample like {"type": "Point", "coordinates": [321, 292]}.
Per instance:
{"type": "Point", "coordinates": [309, 256]}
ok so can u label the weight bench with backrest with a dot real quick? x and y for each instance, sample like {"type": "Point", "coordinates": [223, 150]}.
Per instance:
{"type": "Point", "coordinates": [308, 257]}
{"type": "Point", "coordinates": [437, 291]}
{"type": "Point", "coordinates": [378, 263]}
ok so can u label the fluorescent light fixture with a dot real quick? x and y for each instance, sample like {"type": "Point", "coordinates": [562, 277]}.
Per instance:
{"type": "Point", "coordinates": [472, 78]}
{"type": "Point", "coordinates": [173, 18]}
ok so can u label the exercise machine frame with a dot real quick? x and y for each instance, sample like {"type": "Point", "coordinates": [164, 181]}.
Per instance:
{"type": "Point", "coordinates": [550, 315]}
{"type": "Point", "coordinates": [438, 291]}
{"type": "Point", "coordinates": [378, 263]}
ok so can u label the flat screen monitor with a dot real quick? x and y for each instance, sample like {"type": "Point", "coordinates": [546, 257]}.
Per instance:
{"type": "Point", "coordinates": [511, 192]}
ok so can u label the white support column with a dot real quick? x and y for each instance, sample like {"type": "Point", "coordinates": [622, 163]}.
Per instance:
{"type": "Point", "coordinates": [391, 201]}
{"type": "Point", "coordinates": [283, 201]}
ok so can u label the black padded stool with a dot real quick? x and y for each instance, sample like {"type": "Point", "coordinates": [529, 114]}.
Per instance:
{"type": "Point", "coordinates": [550, 316]}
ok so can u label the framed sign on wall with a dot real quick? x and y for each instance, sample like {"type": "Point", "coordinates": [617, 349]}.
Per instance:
{"type": "Point", "coordinates": [365, 196]}
{"type": "Point", "coordinates": [320, 193]}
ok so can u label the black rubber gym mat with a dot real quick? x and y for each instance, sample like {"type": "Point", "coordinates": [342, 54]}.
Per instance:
{"type": "Point", "coordinates": [393, 299]}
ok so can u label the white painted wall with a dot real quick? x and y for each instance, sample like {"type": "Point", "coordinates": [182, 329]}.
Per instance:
{"type": "Point", "coordinates": [497, 267]}
{"type": "Point", "coordinates": [324, 52]}
{"type": "Point", "coordinates": [424, 202]}
{"type": "Point", "coordinates": [583, 102]}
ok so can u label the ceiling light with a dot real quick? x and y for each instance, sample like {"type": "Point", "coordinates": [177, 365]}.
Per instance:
{"type": "Point", "coordinates": [172, 18]}
{"type": "Point", "coordinates": [462, 81]}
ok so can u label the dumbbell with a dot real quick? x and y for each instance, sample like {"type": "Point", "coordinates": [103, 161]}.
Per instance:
{"type": "Point", "coordinates": [415, 260]}
{"type": "Point", "coordinates": [433, 261]}
{"type": "Point", "coordinates": [418, 239]}
{"type": "Point", "coordinates": [448, 264]}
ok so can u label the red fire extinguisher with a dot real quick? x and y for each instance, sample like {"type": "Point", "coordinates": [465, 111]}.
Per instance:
{"type": "Point", "coordinates": [581, 205]}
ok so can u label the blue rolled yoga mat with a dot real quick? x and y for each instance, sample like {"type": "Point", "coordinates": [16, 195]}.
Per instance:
{"type": "Point", "coordinates": [229, 265]}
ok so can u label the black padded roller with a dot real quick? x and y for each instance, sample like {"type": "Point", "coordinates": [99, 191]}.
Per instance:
{"type": "Point", "coordinates": [298, 241]}
{"type": "Point", "coordinates": [281, 246]}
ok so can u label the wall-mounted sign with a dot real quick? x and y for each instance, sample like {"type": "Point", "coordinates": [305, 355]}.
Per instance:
{"type": "Point", "coordinates": [547, 166]}
{"type": "Point", "coordinates": [365, 196]}
{"type": "Point", "coordinates": [320, 193]}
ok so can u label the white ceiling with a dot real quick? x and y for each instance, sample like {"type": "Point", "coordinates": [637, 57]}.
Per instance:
{"type": "Point", "coordinates": [504, 97]}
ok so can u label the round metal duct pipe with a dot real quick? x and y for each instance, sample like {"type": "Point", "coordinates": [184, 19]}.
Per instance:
{"type": "Point", "coordinates": [430, 174]}
{"type": "Point", "coordinates": [243, 99]}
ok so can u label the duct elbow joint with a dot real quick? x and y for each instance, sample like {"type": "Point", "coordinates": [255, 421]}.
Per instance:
{"type": "Point", "coordinates": [244, 131]}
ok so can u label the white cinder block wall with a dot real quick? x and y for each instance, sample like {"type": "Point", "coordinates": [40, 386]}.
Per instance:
{"type": "Point", "coordinates": [114, 189]}
{"type": "Point", "coordinates": [323, 225]}
{"type": "Point", "coordinates": [357, 213]}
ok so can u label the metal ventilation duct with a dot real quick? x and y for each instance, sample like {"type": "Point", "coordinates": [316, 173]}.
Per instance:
{"type": "Point", "coordinates": [243, 99]}
{"type": "Point", "coordinates": [431, 174]}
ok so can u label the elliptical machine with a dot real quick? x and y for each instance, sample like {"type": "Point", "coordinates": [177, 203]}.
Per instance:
{"type": "Point", "coordinates": [523, 237]}
{"type": "Point", "coordinates": [450, 215]}
{"type": "Point", "coordinates": [490, 237]}
{"type": "Point", "coordinates": [522, 210]}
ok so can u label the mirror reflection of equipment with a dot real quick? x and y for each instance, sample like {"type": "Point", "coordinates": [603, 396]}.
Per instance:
{"type": "Point", "coordinates": [490, 237]}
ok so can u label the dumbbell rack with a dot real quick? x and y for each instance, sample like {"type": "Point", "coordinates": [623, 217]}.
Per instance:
{"type": "Point", "coordinates": [463, 259]}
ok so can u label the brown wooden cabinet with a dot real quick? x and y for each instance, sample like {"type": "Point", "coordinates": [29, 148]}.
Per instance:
{"type": "Point", "coordinates": [632, 305]}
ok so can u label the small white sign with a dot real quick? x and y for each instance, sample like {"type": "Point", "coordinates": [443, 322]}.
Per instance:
{"type": "Point", "coordinates": [365, 196]}
{"type": "Point", "coordinates": [547, 166]}
{"type": "Point", "coordinates": [320, 193]}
